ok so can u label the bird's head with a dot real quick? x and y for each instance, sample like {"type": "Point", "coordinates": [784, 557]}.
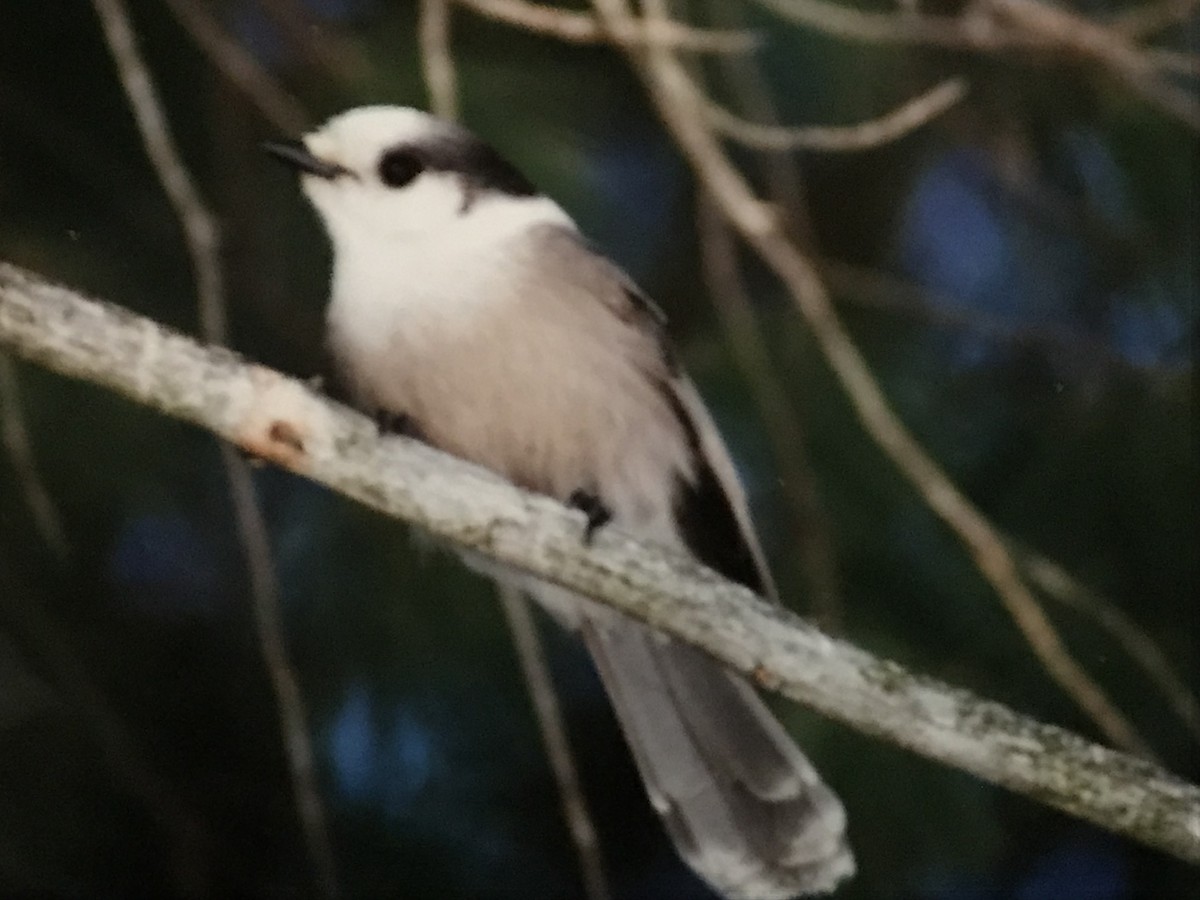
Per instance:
{"type": "Point", "coordinates": [392, 173]}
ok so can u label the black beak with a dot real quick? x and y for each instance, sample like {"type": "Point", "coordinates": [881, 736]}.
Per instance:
{"type": "Point", "coordinates": [295, 154]}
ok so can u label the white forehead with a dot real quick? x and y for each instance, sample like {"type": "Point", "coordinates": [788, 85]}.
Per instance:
{"type": "Point", "coordinates": [357, 137]}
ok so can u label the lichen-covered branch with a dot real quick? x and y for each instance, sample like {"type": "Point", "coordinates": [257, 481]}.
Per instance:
{"type": "Point", "coordinates": [282, 420]}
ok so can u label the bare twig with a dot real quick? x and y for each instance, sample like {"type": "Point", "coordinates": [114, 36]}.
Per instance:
{"type": "Point", "coordinates": [1057, 583]}
{"type": "Point", "coordinates": [747, 87]}
{"type": "Point", "coordinates": [1146, 19]}
{"type": "Point", "coordinates": [202, 237]}
{"type": "Point", "coordinates": [554, 737]}
{"type": "Point", "coordinates": [284, 421]}
{"type": "Point", "coordinates": [1080, 36]}
{"type": "Point", "coordinates": [862, 136]}
{"type": "Point", "coordinates": [317, 41]}
{"type": "Point", "coordinates": [750, 91]}
{"type": "Point", "coordinates": [729, 296]}
{"type": "Point", "coordinates": [230, 58]}
{"type": "Point", "coordinates": [901, 296]}
{"type": "Point", "coordinates": [970, 31]}
{"type": "Point", "coordinates": [436, 61]}
{"type": "Point", "coordinates": [1172, 61]}
{"type": "Point", "coordinates": [673, 94]}
{"type": "Point", "coordinates": [581, 28]}
{"type": "Point", "coordinates": [188, 843]}
{"type": "Point", "coordinates": [992, 26]}
{"type": "Point", "coordinates": [199, 227]}
{"type": "Point", "coordinates": [441, 82]}
{"type": "Point", "coordinates": [15, 438]}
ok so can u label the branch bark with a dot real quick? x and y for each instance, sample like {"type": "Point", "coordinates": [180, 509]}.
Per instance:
{"type": "Point", "coordinates": [282, 420]}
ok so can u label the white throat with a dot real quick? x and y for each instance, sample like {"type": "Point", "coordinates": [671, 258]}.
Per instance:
{"type": "Point", "coordinates": [382, 286]}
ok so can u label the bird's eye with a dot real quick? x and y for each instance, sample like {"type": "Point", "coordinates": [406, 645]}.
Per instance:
{"type": "Point", "coordinates": [398, 168]}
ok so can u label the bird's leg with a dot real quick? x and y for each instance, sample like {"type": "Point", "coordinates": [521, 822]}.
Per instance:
{"type": "Point", "coordinates": [598, 515]}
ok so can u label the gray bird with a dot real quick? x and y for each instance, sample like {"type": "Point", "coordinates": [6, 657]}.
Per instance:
{"type": "Point", "coordinates": [467, 309]}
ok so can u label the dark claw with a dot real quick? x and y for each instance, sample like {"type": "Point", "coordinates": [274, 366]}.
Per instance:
{"type": "Point", "coordinates": [598, 515]}
{"type": "Point", "coordinates": [398, 423]}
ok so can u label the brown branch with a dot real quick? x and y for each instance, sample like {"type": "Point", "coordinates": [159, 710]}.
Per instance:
{"type": "Point", "coordinates": [991, 26]}
{"type": "Point", "coordinates": [729, 297]}
{"type": "Point", "coordinates": [1146, 19]}
{"type": "Point", "coordinates": [284, 421]}
{"type": "Point", "coordinates": [317, 41]}
{"type": "Point", "coordinates": [433, 35]}
{"type": "Point", "coordinates": [672, 93]}
{"type": "Point", "coordinates": [441, 82]}
{"type": "Point", "coordinates": [202, 238]}
{"type": "Point", "coordinates": [1079, 36]}
{"type": "Point", "coordinates": [199, 226]}
{"type": "Point", "coordinates": [581, 28]}
{"type": "Point", "coordinates": [1058, 584]}
{"type": "Point", "coordinates": [747, 87]}
{"type": "Point", "coordinates": [553, 729]}
{"type": "Point", "coordinates": [15, 437]}
{"type": "Point", "coordinates": [973, 30]}
{"type": "Point", "coordinates": [1173, 62]}
{"type": "Point", "coordinates": [188, 844]}
{"type": "Point", "coordinates": [232, 60]}
{"type": "Point", "coordinates": [862, 136]}
{"type": "Point", "coordinates": [901, 296]}
{"type": "Point", "coordinates": [750, 91]}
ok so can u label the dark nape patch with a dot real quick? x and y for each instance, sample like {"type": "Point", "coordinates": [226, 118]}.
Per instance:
{"type": "Point", "coordinates": [481, 167]}
{"type": "Point", "coordinates": [704, 514]}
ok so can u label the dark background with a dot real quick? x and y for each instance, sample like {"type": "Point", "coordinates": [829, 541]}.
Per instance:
{"type": "Point", "coordinates": [1020, 275]}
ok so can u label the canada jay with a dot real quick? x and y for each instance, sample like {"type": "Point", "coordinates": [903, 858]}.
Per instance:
{"type": "Point", "coordinates": [467, 310]}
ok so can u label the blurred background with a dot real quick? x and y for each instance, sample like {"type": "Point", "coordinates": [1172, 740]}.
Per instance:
{"type": "Point", "coordinates": [1020, 274]}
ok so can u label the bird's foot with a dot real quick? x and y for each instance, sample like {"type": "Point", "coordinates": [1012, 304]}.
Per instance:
{"type": "Point", "coordinates": [598, 515]}
{"type": "Point", "coordinates": [402, 423]}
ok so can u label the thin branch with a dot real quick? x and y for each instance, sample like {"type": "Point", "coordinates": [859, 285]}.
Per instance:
{"type": "Point", "coordinates": [433, 34]}
{"type": "Point", "coordinates": [441, 82]}
{"type": "Point", "coordinates": [730, 298]}
{"type": "Point", "coordinates": [232, 60]}
{"type": "Point", "coordinates": [1146, 19]}
{"type": "Point", "coordinates": [199, 227]}
{"type": "Point", "coordinates": [316, 40]}
{"type": "Point", "coordinates": [15, 437]}
{"type": "Point", "coordinates": [189, 845]}
{"type": "Point", "coordinates": [673, 95]}
{"type": "Point", "coordinates": [283, 421]}
{"type": "Point", "coordinates": [747, 86]}
{"type": "Point", "coordinates": [901, 296]}
{"type": "Point", "coordinates": [974, 30]}
{"type": "Point", "coordinates": [743, 77]}
{"type": "Point", "coordinates": [862, 136]}
{"type": "Point", "coordinates": [1057, 583]}
{"type": "Point", "coordinates": [1080, 36]}
{"type": "Point", "coordinates": [558, 747]}
{"type": "Point", "coordinates": [581, 28]}
{"type": "Point", "coordinates": [1173, 62]}
{"type": "Point", "coordinates": [992, 26]}
{"type": "Point", "coordinates": [202, 237]}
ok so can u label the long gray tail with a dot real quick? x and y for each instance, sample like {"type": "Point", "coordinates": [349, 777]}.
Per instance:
{"type": "Point", "coordinates": [744, 807]}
